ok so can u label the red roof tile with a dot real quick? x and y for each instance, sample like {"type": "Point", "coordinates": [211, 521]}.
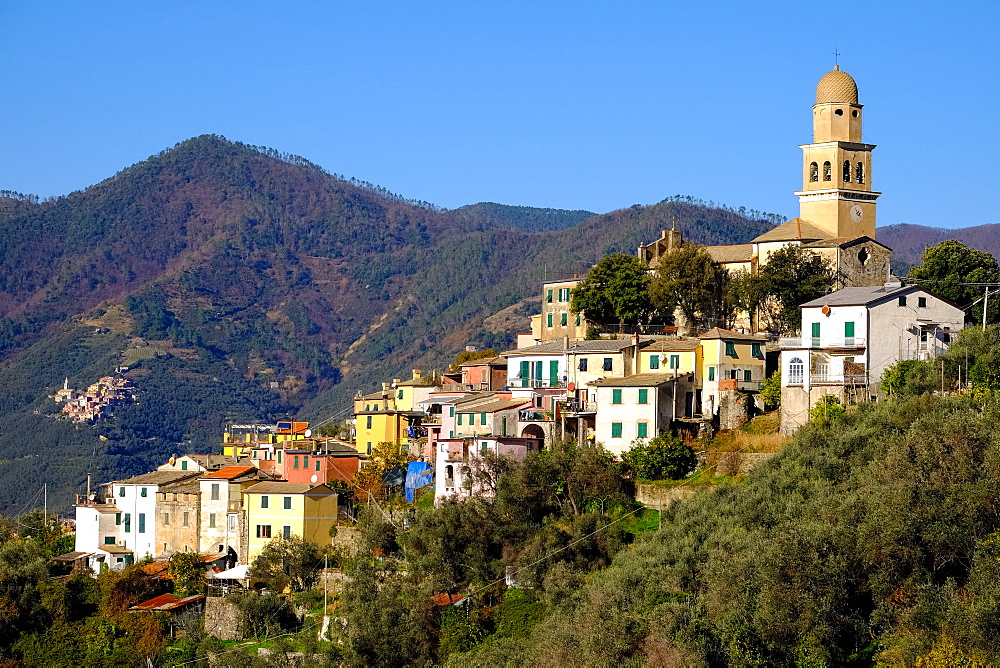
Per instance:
{"type": "Point", "coordinates": [228, 472]}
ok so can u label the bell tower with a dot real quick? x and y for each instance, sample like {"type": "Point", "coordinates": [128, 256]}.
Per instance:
{"type": "Point", "coordinates": [836, 190]}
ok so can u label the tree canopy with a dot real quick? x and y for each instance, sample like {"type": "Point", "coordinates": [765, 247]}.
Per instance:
{"type": "Point", "coordinates": [944, 268]}
{"type": "Point", "coordinates": [688, 279]}
{"type": "Point", "coordinates": [616, 290]}
{"type": "Point", "coordinates": [793, 276]}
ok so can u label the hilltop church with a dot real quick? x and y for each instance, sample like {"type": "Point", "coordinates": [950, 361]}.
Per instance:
{"type": "Point", "coordinates": [836, 204]}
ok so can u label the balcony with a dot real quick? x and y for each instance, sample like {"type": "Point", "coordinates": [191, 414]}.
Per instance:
{"type": "Point", "coordinates": [838, 379]}
{"type": "Point", "coordinates": [536, 383]}
{"type": "Point", "coordinates": [534, 416]}
{"type": "Point", "coordinates": [822, 342]}
{"type": "Point", "coordinates": [580, 406]}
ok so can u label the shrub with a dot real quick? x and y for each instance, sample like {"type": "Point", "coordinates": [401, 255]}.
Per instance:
{"type": "Point", "coordinates": [663, 457]}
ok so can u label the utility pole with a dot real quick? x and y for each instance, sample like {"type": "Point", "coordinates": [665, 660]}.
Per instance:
{"type": "Point", "coordinates": [986, 304]}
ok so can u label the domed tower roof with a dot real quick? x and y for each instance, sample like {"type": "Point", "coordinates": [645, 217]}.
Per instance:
{"type": "Point", "coordinates": [837, 86]}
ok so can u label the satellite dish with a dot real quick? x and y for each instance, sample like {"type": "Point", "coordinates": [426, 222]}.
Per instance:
{"type": "Point", "coordinates": [309, 432]}
{"type": "Point", "coordinates": [571, 387]}
{"type": "Point", "coordinates": [826, 310]}
{"type": "Point", "coordinates": [313, 478]}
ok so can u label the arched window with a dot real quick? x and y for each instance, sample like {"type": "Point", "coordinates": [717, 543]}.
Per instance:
{"type": "Point", "coordinates": [827, 171]}
{"type": "Point", "coordinates": [814, 172]}
{"type": "Point", "coordinates": [859, 173]}
{"type": "Point", "coordinates": [847, 171]}
{"type": "Point", "coordinates": [796, 369]}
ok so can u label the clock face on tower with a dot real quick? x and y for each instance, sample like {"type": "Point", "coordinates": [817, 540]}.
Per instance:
{"type": "Point", "coordinates": [857, 214]}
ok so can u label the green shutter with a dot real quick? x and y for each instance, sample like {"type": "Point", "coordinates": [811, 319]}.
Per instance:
{"type": "Point", "coordinates": [849, 330]}
{"type": "Point", "coordinates": [562, 319]}
{"type": "Point", "coordinates": [459, 419]}
{"type": "Point", "coordinates": [641, 429]}
{"type": "Point", "coordinates": [643, 396]}
{"type": "Point", "coordinates": [548, 320]}
{"type": "Point", "coordinates": [616, 430]}
{"type": "Point", "coordinates": [730, 349]}
{"type": "Point", "coordinates": [815, 330]}
{"type": "Point", "coordinates": [711, 373]}
{"type": "Point", "coordinates": [554, 373]}
{"type": "Point", "coordinates": [748, 375]}
{"type": "Point", "coordinates": [482, 418]}
{"type": "Point", "coordinates": [654, 361]}
{"type": "Point", "coordinates": [524, 373]}
{"type": "Point", "coordinates": [616, 396]}
{"type": "Point", "coordinates": [675, 361]}
{"type": "Point", "coordinates": [548, 295]}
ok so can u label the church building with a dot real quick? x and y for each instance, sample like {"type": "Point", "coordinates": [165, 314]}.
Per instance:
{"type": "Point", "coordinates": [836, 203]}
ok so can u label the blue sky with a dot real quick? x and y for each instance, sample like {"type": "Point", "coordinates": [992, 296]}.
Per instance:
{"type": "Point", "coordinates": [592, 105]}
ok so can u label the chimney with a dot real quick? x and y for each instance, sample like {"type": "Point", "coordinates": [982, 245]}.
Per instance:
{"type": "Point", "coordinates": [565, 343]}
{"type": "Point", "coordinates": [416, 374]}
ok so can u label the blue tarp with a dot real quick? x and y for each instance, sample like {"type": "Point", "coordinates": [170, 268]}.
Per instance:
{"type": "Point", "coordinates": [418, 474]}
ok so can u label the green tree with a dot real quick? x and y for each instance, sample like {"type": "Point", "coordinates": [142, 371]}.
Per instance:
{"type": "Point", "coordinates": [688, 279]}
{"type": "Point", "coordinates": [662, 457]}
{"type": "Point", "coordinates": [616, 290]}
{"type": "Point", "coordinates": [771, 392]}
{"type": "Point", "coordinates": [945, 267]}
{"type": "Point", "coordinates": [826, 410]}
{"type": "Point", "coordinates": [794, 276]}
{"type": "Point", "coordinates": [187, 570]}
{"type": "Point", "coordinates": [466, 356]}
{"type": "Point", "coordinates": [894, 377]}
{"type": "Point", "coordinates": [746, 291]}
{"type": "Point", "coordinates": [291, 562]}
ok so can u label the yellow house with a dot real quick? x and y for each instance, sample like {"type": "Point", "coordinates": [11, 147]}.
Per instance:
{"type": "Point", "coordinates": [283, 509]}
{"type": "Point", "coordinates": [729, 361]}
{"type": "Point", "coordinates": [392, 414]}
{"type": "Point", "coordinates": [680, 355]}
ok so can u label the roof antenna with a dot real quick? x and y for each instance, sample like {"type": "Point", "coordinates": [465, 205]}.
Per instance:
{"type": "Point", "coordinates": [836, 59]}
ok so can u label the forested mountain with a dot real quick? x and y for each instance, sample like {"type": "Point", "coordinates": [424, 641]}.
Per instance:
{"type": "Point", "coordinates": [908, 241]}
{"type": "Point", "coordinates": [241, 283]}
{"type": "Point", "coordinates": [527, 218]}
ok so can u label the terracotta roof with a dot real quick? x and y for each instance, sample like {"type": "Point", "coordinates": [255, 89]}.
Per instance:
{"type": "Point", "coordinates": [795, 229]}
{"type": "Point", "coordinates": [71, 556]}
{"type": "Point", "coordinates": [229, 472]}
{"type": "Point", "coordinates": [445, 599]}
{"type": "Point", "coordinates": [638, 380]}
{"type": "Point", "coordinates": [492, 361]}
{"type": "Point", "coordinates": [718, 333]}
{"type": "Point", "coordinates": [165, 602]}
{"type": "Point", "coordinates": [594, 346]}
{"type": "Point", "coordinates": [158, 478]}
{"type": "Point", "coordinates": [156, 569]}
{"type": "Point", "coordinates": [675, 345]}
{"type": "Point", "coordinates": [284, 488]}
{"type": "Point", "coordinates": [731, 253]}
{"type": "Point", "coordinates": [501, 404]}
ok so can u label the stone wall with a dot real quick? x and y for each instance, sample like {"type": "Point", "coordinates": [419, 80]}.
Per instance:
{"type": "Point", "coordinates": [347, 540]}
{"type": "Point", "coordinates": [659, 497]}
{"type": "Point", "coordinates": [222, 619]}
{"type": "Point", "coordinates": [740, 463]}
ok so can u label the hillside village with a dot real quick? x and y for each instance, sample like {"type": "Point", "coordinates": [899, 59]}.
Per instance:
{"type": "Point", "coordinates": [560, 384]}
{"type": "Point", "coordinates": [573, 381]}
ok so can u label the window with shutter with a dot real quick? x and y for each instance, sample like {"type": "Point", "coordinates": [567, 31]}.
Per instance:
{"type": "Point", "coordinates": [616, 396]}
{"type": "Point", "coordinates": [711, 373]}
{"type": "Point", "coordinates": [482, 418]}
{"type": "Point", "coordinates": [748, 375]}
{"type": "Point", "coordinates": [548, 320]}
{"type": "Point", "coordinates": [849, 330]}
{"type": "Point", "coordinates": [616, 430]}
{"type": "Point", "coordinates": [641, 429]}
{"type": "Point", "coordinates": [582, 366]}
{"type": "Point", "coordinates": [554, 373]}
{"type": "Point", "coordinates": [730, 349]}
{"type": "Point", "coordinates": [563, 319]}
{"type": "Point", "coordinates": [675, 361]}
{"type": "Point", "coordinates": [654, 361]}
{"type": "Point", "coordinates": [607, 363]}
{"type": "Point", "coordinates": [643, 396]}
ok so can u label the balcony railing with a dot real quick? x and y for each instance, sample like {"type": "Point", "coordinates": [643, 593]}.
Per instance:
{"type": "Point", "coordinates": [581, 406]}
{"type": "Point", "coordinates": [838, 379]}
{"type": "Point", "coordinates": [537, 382]}
{"type": "Point", "coordinates": [798, 342]}
{"type": "Point", "coordinates": [534, 416]}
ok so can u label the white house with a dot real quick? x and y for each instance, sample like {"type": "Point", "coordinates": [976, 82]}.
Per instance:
{"type": "Point", "coordinates": [640, 406]}
{"type": "Point", "coordinates": [459, 460]}
{"type": "Point", "coordinates": [852, 335]}
{"type": "Point", "coordinates": [135, 498]}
